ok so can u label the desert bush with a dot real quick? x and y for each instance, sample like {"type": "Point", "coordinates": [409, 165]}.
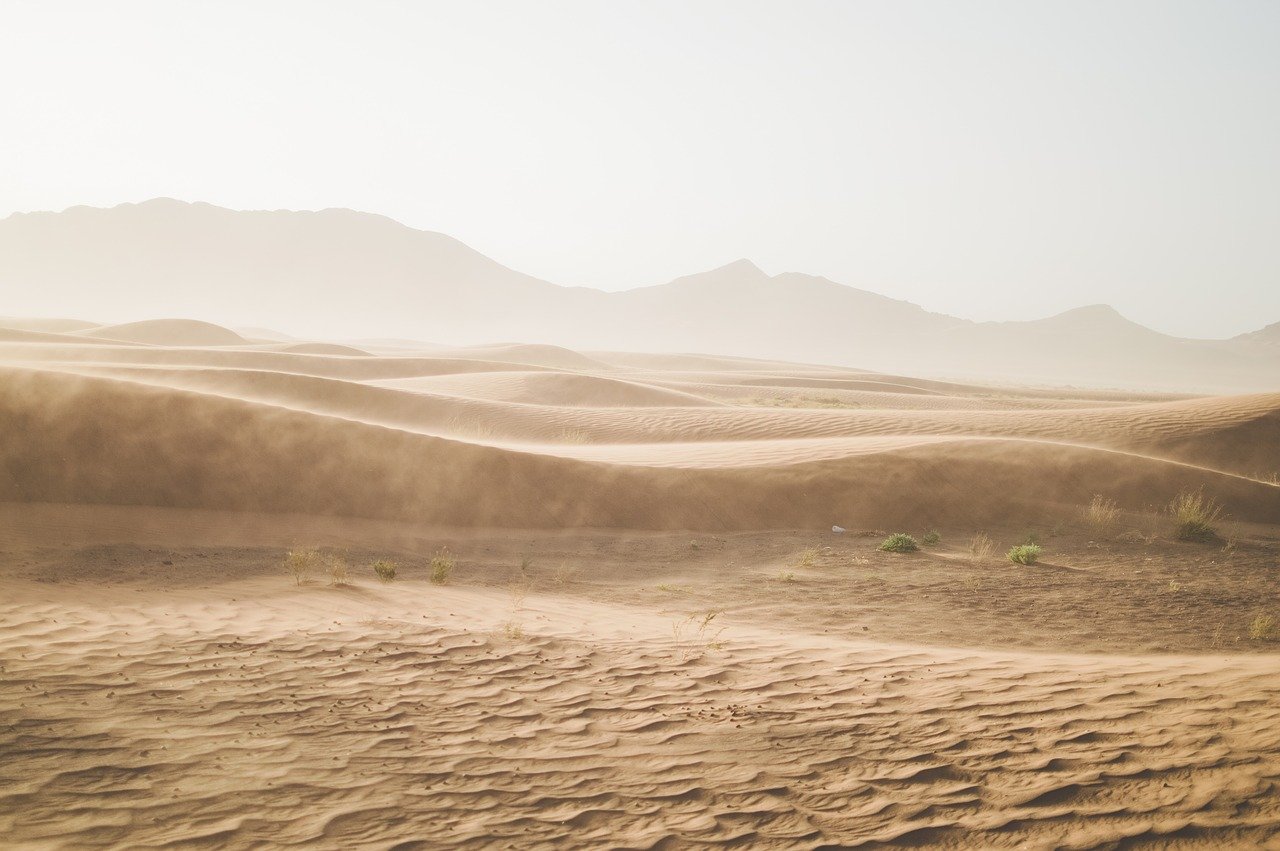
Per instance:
{"type": "Point", "coordinates": [930, 539]}
{"type": "Point", "coordinates": [441, 566]}
{"type": "Point", "coordinates": [1025, 554]}
{"type": "Point", "coordinates": [1262, 628]}
{"type": "Point", "coordinates": [981, 547]}
{"type": "Point", "coordinates": [339, 573]}
{"type": "Point", "coordinates": [386, 570]}
{"type": "Point", "coordinates": [1194, 516]}
{"type": "Point", "coordinates": [900, 542]}
{"type": "Point", "coordinates": [1102, 513]}
{"type": "Point", "coordinates": [301, 563]}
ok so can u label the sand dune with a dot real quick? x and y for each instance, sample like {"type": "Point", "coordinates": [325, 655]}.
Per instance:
{"type": "Point", "coordinates": [257, 440]}
{"type": "Point", "coordinates": [652, 638]}
{"type": "Point", "coordinates": [168, 332]}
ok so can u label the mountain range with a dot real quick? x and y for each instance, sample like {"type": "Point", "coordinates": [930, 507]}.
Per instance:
{"type": "Point", "coordinates": [340, 273]}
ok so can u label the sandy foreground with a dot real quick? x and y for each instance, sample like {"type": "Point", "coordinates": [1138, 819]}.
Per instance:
{"type": "Point", "coordinates": [650, 637]}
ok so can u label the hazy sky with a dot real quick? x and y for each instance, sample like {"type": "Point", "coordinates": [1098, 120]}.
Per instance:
{"type": "Point", "coordinates": [991, 160]}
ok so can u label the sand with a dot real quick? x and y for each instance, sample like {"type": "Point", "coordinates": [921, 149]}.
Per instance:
{"type": "Point", "coordinates": [651, 637]}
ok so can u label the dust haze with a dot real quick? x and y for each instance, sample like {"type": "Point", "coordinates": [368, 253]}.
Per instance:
{"type": "Point", "coordinates": [595, 425]}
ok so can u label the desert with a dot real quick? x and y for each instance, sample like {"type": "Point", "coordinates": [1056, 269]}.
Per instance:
{"type": "Point", "coordinates": [620, 615]}
{"type": "Point", "coordinates": [598, 424]}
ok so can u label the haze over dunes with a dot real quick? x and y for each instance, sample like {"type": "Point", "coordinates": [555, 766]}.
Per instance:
{"type": "Point", "coordinates": [652, 636]}
{"type": "Point", "coordinates": [341, 274]}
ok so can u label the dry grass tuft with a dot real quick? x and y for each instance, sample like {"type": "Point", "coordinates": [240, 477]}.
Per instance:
{"type": "Point", "coordinates": [441, 566]}
{"type": "Point", "coordinates": [386, 570]}
{"type": "Point", "coordinates": [981, 547]}
{"type": "Point", "coordinates": [1102, 513]}
{"type": "Point", "coordinates": [807, 557]}
{"type": "Point", "coordinates": [1262, 628]}
{"type": "Point", "coordinates": [1195, 516]}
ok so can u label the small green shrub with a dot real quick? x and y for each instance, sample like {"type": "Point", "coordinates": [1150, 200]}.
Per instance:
{"type": "Point", "coordinates": [386, 570]}
{"type": "Point", "coordinates": [930, 539]}
{"type": "Point", "coordinates": [1025, 554]}
{"type": "Point", "coordinates": [441, 566]}
{"type": "Point", "coordinates": [900, 542]}
{"type": "Point", "coordinates": [1194, 517]}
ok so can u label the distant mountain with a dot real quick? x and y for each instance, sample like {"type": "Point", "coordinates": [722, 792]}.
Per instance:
{"type": "Point", "coordinates": [343, 274]}
{"type": "Point", "coordinates": [1269, 336]}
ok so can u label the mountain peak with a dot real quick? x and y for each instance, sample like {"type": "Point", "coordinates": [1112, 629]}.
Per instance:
{"type": "Point", "coordinates": [741, 266]}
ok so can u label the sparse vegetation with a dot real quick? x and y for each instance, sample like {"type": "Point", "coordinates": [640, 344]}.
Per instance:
{"type": "Point", "coordinates": [301, 563]}
{"type": "Point", "coordinates": [668, 588]}
{"type": "Point", "coordinates": [900, 542]}
{"type": "Point", "coordinates": [339, 573]}
{"type": "Point", "coordinates": [1262, 628]}
{"type": "Point", "coordinates": [785, 576]}
{"type": "Point", "coordinates": [981, 547]}
{"type": "Point", "coordinates": [1025, 554]}
{"type": "Point", "coordinates": [696, 629]}
{"type": "Point", "coordinates": [441, 566]}
{"type": "Point", "coordinates": [386, 570]}
{"type": "Point", "coordinates": [1102, 513]}
{"type": "Point", "coordinates": [1195, 516]}
{"type": "Point", "coordinates": [807, 557]}
{"type": "Point", "coordinates": [930, 538]}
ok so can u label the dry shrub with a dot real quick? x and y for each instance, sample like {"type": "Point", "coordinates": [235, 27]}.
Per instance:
{"type": "Point", "coordinates": [386, 570]}
{"type": "Point", "coordinates": [339, 572]}
{"type": "Point", "coordinates": [1195, 516]}
{"type": "Point", "coordinates": [301, 563]}
{"type": "Point", "coordinates": [931, 538]}
{"type": "Point", "coordinates": [441, 566]}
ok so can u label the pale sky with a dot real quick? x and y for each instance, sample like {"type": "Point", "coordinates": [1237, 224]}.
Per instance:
{"type": "Point", "coordinates": [993, 160]}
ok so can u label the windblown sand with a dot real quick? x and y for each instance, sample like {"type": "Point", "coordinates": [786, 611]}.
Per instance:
{"type": "Point", "coordinates": [651, 638]}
